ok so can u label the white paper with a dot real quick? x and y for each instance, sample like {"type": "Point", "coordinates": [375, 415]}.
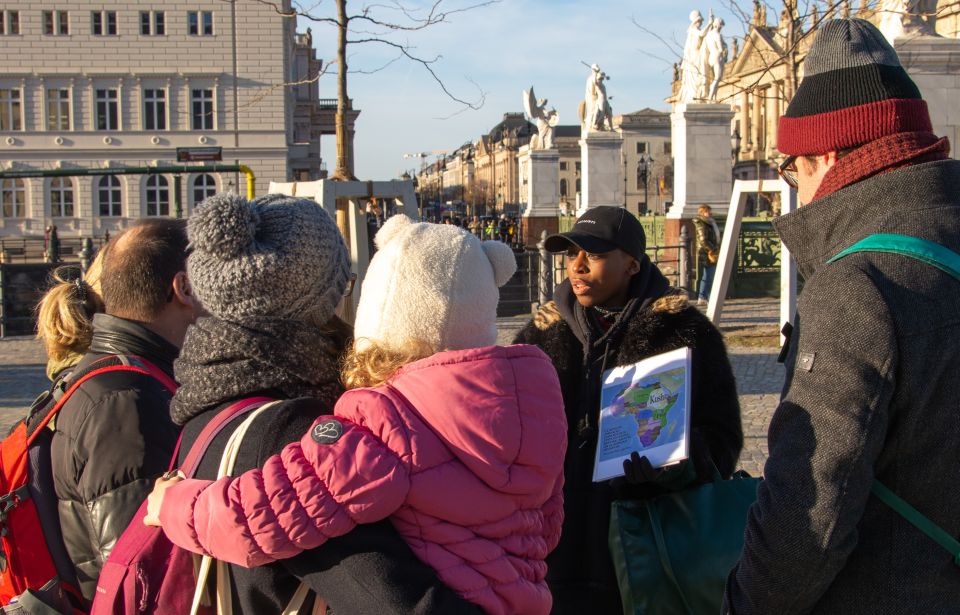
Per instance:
{"type": "Point", "coordinates": [644, 407]}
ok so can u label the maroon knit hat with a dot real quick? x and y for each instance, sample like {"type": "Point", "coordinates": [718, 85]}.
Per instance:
{"type": "Point", "coordinates": [854, 91]}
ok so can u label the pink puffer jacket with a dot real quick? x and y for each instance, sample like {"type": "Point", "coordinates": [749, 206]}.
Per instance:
{"type": "Point", "coordinates": [463, 451]}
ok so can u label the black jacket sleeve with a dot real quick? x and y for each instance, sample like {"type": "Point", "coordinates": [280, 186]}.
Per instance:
{"type": "Point", "coordinates": [370, 570]}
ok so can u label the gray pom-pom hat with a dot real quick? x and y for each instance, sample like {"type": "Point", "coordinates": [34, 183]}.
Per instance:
{"type": "Point", "coordinates": [272, 258]}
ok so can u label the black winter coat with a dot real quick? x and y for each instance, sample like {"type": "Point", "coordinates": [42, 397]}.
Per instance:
{"type": "Point", "coordinates": [113, 437]}
{"type": "Point", "coordinates": [370, 571]}
{"type": "Point", "coordinates": [580, 572]}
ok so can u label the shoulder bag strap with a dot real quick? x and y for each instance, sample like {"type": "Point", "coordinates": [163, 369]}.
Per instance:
{"type": "Point", "coordinates": [224, 592]}
{"type": "Point", "coordinates": [945, 260]}
{"type": "Point", "coordinates": [214, 427]}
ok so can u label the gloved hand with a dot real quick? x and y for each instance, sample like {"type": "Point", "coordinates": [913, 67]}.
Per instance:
{"type": "Point", "coordinates": [637, 470]}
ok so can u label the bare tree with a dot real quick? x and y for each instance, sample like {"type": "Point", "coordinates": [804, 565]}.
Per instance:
{"type": "Point", "coordinates": [383, 24]}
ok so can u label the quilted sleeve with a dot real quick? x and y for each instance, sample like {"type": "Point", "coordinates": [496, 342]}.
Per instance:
{"type": "Point", "coordinates": [341, 473]}
{"type": "Point", "coordinates": [553, 515]}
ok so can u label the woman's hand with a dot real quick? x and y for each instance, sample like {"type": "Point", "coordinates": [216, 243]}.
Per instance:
{"type": "Point", "coordinates": [155, 499]}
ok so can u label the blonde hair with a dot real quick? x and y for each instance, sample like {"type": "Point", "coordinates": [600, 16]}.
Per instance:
{"type": "Point", "coordinates": [704, 210]}
{"type": "Point", "coordinates": [65, 313]}
{"type": "Point", "coordinates": [373, 364]}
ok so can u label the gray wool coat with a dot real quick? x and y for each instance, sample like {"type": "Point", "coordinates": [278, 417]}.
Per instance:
{"type": "Point", "coordinates": [872, 391]}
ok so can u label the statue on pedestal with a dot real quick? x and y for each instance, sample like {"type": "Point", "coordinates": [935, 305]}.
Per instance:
{"type": "Point", "coordinates": [545, 120]}
{"type": "Point", "coordinates": [900, 18]}
{"type": "Point", "coordinates": [691, 67]}
{"type": "Point", "coordinates": [595, 111]}
{"type": "Point", "coordinates": [713, 57]}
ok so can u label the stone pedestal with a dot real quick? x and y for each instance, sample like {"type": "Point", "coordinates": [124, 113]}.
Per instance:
{"type": "Point", "coordinates": [932, 62]}
{"type": "Point", "coordinates": [540, 182]}
{"type": "Point", "coordinates": [540, 188]}
{"type": "Point", "coordinates": [601, 164]}
{"type": "Point", "coordinates": [703, 167]}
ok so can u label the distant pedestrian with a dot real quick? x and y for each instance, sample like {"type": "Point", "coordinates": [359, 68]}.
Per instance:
{"type": "Point", "coordinates": [708, 250]}
{"type": "Point", "coordinates": [871, 387]}
{"type": "Point", "coordinates": [53, 245]}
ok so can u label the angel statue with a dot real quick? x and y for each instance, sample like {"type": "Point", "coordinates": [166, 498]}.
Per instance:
{"type": "Point", "coordinates": [545, 120]}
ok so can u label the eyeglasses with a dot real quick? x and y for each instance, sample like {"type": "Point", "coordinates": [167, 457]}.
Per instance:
{"type": "Point", "coordinates": [788, 171]}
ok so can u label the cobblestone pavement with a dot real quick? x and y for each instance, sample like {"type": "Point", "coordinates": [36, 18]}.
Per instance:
{"type": "Point", "coordinates": [759, 380]}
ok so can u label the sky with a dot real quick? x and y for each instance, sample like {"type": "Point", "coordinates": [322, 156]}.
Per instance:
{"type": "Point", "coordinates": [501, 50]}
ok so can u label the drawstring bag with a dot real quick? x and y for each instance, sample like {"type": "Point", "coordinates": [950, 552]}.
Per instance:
{"type": "Point", "coordinates": [672, 553]}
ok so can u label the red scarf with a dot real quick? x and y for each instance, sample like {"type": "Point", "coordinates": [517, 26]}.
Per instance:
{"type": "Point", "coordinates": [885, 154]}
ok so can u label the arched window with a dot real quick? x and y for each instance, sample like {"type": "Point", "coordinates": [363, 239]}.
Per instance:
{"type": "Point", "coordinates": [61, 197]}
{"type": "Point", "coordinates": [563, 187]}
{"type": "Point", "coordinates": [13, 197]}
{"type": "Point", "coordinates": [203, 186]}
{"type": "Point", "coordinates": [108, 195]}
{"type": "Point", "coordinates": [158, 196]}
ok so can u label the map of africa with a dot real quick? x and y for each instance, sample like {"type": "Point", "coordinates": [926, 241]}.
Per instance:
{"type": "Point", "coordinates": [649, 402]}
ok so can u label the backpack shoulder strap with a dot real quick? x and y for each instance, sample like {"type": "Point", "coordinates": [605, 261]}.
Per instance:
{"type": "Point", "coordinates": [214, 427]}
{"type": "Point", "coordinates": [947, 261]}
{"type": "Point", "coordinates": [923, 250]}
{"type": "Point", "coordinates": [113, 363]}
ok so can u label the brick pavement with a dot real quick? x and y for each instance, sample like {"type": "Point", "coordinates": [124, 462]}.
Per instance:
{"type": "Point", "coordinates": [759, 380]}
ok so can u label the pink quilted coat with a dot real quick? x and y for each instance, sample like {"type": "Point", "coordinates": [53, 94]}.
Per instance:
{"type": "Point", "coordinates": [463, 451]}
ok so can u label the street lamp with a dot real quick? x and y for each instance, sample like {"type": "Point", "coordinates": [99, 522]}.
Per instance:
{"type": "Point", "coordinates": [644, 166]}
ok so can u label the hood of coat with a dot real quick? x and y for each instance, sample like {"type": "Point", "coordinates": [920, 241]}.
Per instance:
{"type": "Point", "coordinates": [879, 204]}
{"type": "Point", "coordinates": [499, 410]}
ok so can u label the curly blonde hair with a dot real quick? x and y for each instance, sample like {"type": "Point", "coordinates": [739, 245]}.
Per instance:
{"type": "Point", "coordinates": [368, 364]}
{"type": "Point", "coordinates": [65, 313]}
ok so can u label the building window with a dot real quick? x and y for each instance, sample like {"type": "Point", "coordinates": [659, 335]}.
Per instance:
{"type": "Point", "coordinates": [103, 23]}
{"type": "Point", "coordinates": [9, 22]}
{"type": "Point", "coordinates": [153, 23]}
{"type": "Point", "coordinates": [578, 185]}
{"type": "Point", "coordinates": [563, 166]}
{"type": "Point", "coordinates": [642, 147]}
{"type": "Point", "coordinates": [13, 196]}
{"type": "Point", "coordinates": [108, 196]}
{"type": "Point", "coordinates": [11, 109]}
{"type": "Point", "coordinates": [61, 197]}
{"type": "Point", "coordinates": [201, 104]}
{"type": "Point", "coordinates": [154, 109]}
{"type": "Point", "coordinates": [576, 166]}
{"type": "Point", "coordinates": [563, 187]}
{"type": "Point", "coordinates": [667, 148]}
{"type": "Point", "coordinates": [56, 23]}
{"type": "Point", "coordinates": [158, 196]}
{"type": "Point", "coordinates": [107, 118]}
{"type": "Point", "coordinates": [58, 109]}
{"type": "Point", "coordinates": [200, 23]}
{"type": "Point", "coordinates": [203, 186]}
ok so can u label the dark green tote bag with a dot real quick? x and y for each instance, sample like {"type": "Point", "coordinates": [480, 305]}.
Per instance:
{"type": "Point", "coordinates": [673, 553]}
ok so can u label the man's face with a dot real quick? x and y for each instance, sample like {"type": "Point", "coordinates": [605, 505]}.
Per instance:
{"type": "Point", "coordinates": [600, 279]}
{"type": "Point", "coordinates": [810, 175]}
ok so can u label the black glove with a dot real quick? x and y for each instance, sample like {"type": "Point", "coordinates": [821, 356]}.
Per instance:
{"type": "Point", "coordinates": [637, 470]}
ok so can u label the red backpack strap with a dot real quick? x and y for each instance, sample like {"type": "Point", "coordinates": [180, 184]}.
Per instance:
{"type": "Point", "coordinates": [214, 427]}
{"type": "Point", "coordinates": [115, 363]}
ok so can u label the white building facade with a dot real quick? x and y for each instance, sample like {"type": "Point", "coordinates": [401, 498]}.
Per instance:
{"type": "Point", "coordinates": [92, 85]}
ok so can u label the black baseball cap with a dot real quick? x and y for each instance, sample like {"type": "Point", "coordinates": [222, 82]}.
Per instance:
{"type": "Point", "coordinates": [602, 229]}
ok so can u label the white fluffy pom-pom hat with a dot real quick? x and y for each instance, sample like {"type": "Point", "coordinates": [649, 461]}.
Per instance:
{"type": "Point", "coordinates": [431, 283]}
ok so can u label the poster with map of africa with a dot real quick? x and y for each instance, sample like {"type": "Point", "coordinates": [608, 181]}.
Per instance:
{"type": "Point", "coordinates": [644, 407]}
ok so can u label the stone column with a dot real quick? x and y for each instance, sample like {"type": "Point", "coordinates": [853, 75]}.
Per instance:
{"type": "Point", "coordinates": [541, 170]}
{"type": "Point", "coordinates": [931, 63]}
{"type": "Point", "coordinates": [703, 169]}
{"type": "Point", "coordinates": [601, 179]}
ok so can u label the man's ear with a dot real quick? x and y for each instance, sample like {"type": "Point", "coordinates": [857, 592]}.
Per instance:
{"type": "Point", "coordinates": [182, 291]}
{"type": "Point", "coordinates": [634, 267]}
